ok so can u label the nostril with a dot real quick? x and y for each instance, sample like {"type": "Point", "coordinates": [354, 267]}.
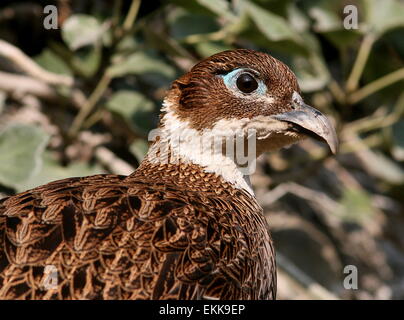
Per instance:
{"type": "Point", "coordinates": [296, 100]}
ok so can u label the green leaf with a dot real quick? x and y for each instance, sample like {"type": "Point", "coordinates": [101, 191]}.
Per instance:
{"type": "Point", "coordinates": [139, 63]}
{"type": "Point", "coordinates": [183, 24]}
{"type": "Point", "coordinates": [383, 16]}
{"type": "Point", "coordinates": [343, 38]}
{"type": "Point", "coordinates": [135, 108]}
{"type": "Point", "coordinates": [51, 170]}
{"type": "Point", "coordinates": [298, 20]}
{"type": "Point", "coordinates": [325, 19]}
{"type": "Point", "coordinates": [81, 30]}
{"type": "Point", "coordinates": [206, 49]}
{"type": "Point", "coordinates": [219, 7]}
{"type": "Point", "coordinates": [275, 28]}
{"type": "Point", "coordinates": [127, 44]}
{"type": "Point", "coordinates": [356, 205]}
{"type": "Point", "coordinates": [87, 61]}
{"type": "Point", "coordinates": [52, 62]}
{"type": "Point", "coordinates": [21, 147]}
{"type": "Point", "coordinates": [312, 73]}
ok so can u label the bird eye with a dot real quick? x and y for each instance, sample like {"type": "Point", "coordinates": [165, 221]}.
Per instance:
{"type": "Point", "coordinates": [246, 83]}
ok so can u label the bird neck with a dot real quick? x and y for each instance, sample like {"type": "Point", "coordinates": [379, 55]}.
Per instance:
{"type": "Point", "coordinates": [177, 143]}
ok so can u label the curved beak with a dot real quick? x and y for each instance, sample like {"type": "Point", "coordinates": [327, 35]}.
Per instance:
{"type": "Point", "coordinates": [310, 121]}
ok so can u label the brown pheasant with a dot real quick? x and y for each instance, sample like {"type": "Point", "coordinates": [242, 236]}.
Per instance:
{"type": "Point", "coordinates": [185, 224]}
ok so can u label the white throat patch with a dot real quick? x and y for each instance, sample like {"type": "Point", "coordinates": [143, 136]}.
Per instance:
{"type": "Point", "coordinates": [202, 148]}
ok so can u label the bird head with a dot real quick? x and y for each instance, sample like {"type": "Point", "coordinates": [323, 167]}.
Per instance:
{"type": "Point", "coordinates": [242, 94]}
{"type": "Point", "coordinates": [241, 90]}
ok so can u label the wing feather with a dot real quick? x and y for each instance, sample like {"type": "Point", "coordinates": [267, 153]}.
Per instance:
{"type": "Point", "coordinates": [110, 237]}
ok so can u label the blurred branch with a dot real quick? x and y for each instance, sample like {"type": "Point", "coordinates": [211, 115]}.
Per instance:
{"type": "Point", "coordinates": [319, 199]}
{"type": "Point", "coordinates": [90, 103]}
{"type": "Point", "coordinates": [337, 91]}
{"type": "Point", "coordinates": [376, 85]}
{"type": "Point", "coordinates": [352, 144]}
{"type": "Point", "coordinates": [371, 123]}
{"type": "Point", "coordinates": [22, 85]}
{"type": "Point", "coordinates": [378, 120]}
{"type": "Point", "coordinates": [112, 162]}
{"type": "Point", "coordinates": [314, 289]}
{"type": "Point", "coordinates": [116, 13]}
{"type": "Point", "coordinates": [360, 62]}
{"type": "Point", "coordinates": [26, 64]}
{"type": "Point", "coordinates": [39, 81]}
{"type": "Point", "coordinates": [94, 118]}
{"type": "Point", "coordinates": [131, 16]}
{"type": "Point", "coordinates": [12, 83]}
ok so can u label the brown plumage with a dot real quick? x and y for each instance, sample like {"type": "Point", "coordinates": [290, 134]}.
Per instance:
{"type": "Point", "coordinates": [171, 230]}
